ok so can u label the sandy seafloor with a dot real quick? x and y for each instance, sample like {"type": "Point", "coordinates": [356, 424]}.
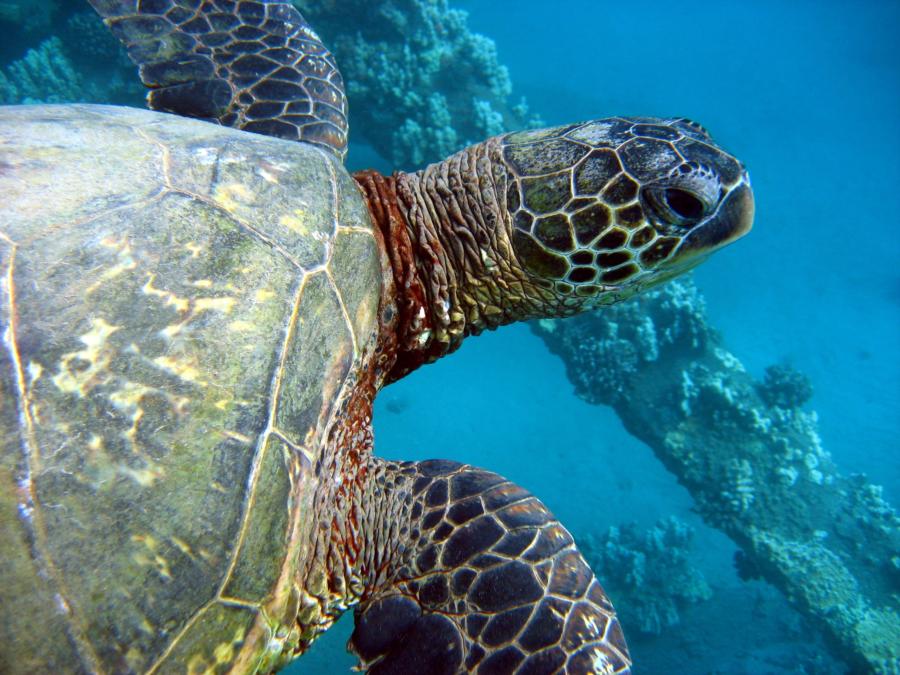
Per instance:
{"type": "Point", "coordinates": [807, 94]}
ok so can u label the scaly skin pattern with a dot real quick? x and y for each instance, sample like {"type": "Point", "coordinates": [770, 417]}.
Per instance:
{"type": "Point", "coordinates": [552, 222]}
{"type": "Point", "coordinates": [256, 66]}
{"type": "Point", "coordinates": [187, 469]}
{"type": "Point", "coordinates": [195, 323]}
{"type": "Point", "coordinates": [491, 582]}
{"type": "Point", "coordinates": [454, 568]}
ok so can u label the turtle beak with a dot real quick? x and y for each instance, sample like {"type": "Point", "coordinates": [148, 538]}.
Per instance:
{"type": "Point", "coordinates": [731, 221]}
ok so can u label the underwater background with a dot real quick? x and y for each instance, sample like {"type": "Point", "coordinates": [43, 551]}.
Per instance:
{"type": "Point", "coordinates": [807, 94]}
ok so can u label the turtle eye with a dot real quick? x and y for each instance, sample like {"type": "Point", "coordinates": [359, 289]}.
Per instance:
{"type": "Point", "coordinates": [684, 204]}
{"type": "Point", "coordinates": [674, 206]}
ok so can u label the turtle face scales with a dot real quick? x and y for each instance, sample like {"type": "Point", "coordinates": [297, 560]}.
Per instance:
{"type": "Point", "coordinates": [602, 210]}
{"type": "Point", "coordinates": [551, 222]}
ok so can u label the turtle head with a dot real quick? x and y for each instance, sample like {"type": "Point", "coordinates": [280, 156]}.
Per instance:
{"type": "Point", "coordinates": [604, 209]}
{"type": "Point", "coordinates": [551, 222]}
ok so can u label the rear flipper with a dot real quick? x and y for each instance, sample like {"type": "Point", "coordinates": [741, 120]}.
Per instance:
{"type": "Point", "coordinates": [485, 580]}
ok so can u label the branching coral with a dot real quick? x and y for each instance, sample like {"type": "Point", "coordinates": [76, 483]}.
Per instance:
{"type": "Point", "coordinates": [751, 458]}
{"type": "Point", "coordinates": [648, 574]}
{"type": "Point", "coordinates": [84, 63]}
{"type": "Point", "coordinates": [44, 75]}
{"type": "Point", "coordinates": [421, 84]}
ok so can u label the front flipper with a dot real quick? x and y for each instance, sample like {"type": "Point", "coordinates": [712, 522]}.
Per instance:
{"type": "Point", "coordinates": [256, 66]}
{"type": "Point", "coordinates": [484, 579]}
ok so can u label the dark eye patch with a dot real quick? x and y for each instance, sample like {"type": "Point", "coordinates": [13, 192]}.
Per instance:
{"type": "Point", "coordinates": [684, 204]}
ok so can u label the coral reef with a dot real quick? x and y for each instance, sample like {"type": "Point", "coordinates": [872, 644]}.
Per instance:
{"type": "Point", "coordinates": [751, 459]}
{"type": "Point", "coordinates": [647, 574]}
{"type": "Point", "coordinates": [43, 75]}
{"type": "Point", "coordinates": [784, 387]}
{"type": "Point", "coordinates": [84, 63]}
{"type": "Point", "coordinates": [421, 84]}
{"type": "Point", "coordinates": [94, 41]}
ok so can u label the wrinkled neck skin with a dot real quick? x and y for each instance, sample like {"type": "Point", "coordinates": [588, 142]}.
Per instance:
{"type": "Point", "coordinates": [449, 272]}
{"type": "Point", "coordinates": [446, 232]}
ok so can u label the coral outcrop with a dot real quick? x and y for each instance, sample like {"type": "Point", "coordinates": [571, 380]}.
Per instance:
{"type": "Point", "coordinates": [83, 63]}
{"type": "Point", "coordinates": [647, 574]}
{"type": "Point", "coordinates": [752, 460]}
{"type": "Point", "coordinates": [44, 75]}
{"type": "Point", "coordinates": [421, 84]}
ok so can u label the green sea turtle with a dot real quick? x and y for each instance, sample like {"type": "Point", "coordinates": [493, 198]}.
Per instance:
{"type": "Point", "coordinates": [195, 322]}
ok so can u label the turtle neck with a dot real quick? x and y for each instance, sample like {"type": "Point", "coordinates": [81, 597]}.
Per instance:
{"type": "Point", "coordinates": [447, 235]}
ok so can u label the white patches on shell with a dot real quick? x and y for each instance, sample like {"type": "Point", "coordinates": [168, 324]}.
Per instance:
{"type": "Point", "coordinates": [194, 249]}
{"type": "Point", "coordinates": [80, 380]}
{"type": "Point", "coordinates": [296, 222]}
{"type": "Point", "coordinates": [34, 370]}
{"type": "Point", "coordinates": [241, 326]}
{"type": "Point", "coordinates": [206, 156]}
{"type": "Point", "coordinates": [180, 304]}
{"type": "Point", "coordinates": [185, 371]}
{"type": "Point", "coordinates": [232, 195]}
{"type": "Point", "coordinates": [124, 263]}
{"type": "Point", "coordinates": [147, 555]}
{"type": "Point", "coordinates": [266, 176]}
{"type": "Point", "coordinates": [600, 663]}
{"type": "Point", "coordinates": [594, 133]}
{"type": "Point", "coordinates": [217, 304]}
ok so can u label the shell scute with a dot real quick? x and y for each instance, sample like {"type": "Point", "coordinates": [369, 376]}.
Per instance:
{"type": "Point", "coordinates": [317, 359]}
{"type": "Point", "coordinates": [213, 643]}
{"type": "Point", "coordinates": [146, 421]}
{"type": "Point", "coordinates": [160, 338]}
{"type": "Point", "coordinates": [264, 540]}
{"type": "Point", "coordinates": [287, 201]}
{"type": "Point", "coordinates": [44, 136]}
{"type": "Point", "coordinates": [354, 280]}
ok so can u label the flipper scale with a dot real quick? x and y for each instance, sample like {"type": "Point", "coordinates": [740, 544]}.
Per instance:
{"type": "Point", "coordinates": [217, 60]}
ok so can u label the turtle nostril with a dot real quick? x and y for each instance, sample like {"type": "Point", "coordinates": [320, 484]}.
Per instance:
{"type": "Point", "coordinates": [684, 204]}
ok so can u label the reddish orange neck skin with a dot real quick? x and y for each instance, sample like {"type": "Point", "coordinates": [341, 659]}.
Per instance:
{"type": "Point", "coordinates": [446, 234]}
{"type": "Point", "coordinates": [400, 333]}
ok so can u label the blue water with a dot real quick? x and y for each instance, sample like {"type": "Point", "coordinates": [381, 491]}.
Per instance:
{"type": "Point", "coordinates": [807, 94]}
